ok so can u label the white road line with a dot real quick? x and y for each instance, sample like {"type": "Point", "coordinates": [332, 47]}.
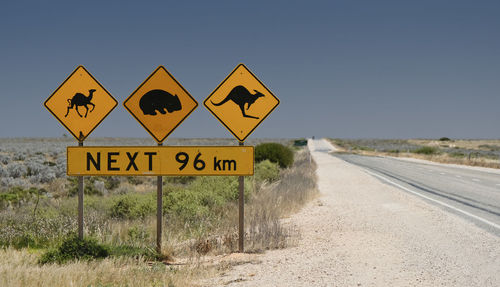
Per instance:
{"type": "Point", "coordinates": [498, 184]}
{"type": "Point", "coordinates": [436, 201]}
{"type": "Point", "coordinates": [476, 180]}
{"type": "Point", "coordinates": [459, 176]}
{"type": "Point", "coordinates": [442, 173]}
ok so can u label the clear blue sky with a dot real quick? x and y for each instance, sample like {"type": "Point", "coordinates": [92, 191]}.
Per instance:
{"type": "Point", "coordinates": [363, 69]}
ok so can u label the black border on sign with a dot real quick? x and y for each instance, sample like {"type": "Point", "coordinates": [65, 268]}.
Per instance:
{"type": "Point", "coordinates": [71, 132]}
{"type": "Point", "coordinates": [142, 84]}
{"type": "Point", "coordinates": [215, 115]}
{"type": "Point", "coordinates": [155, 174]}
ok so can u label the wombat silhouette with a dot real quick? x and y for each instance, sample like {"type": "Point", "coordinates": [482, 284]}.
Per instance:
{"type": "Point", "coordinates": [241, 96]}
{"type": "Point", "coordinates": [159, 100]}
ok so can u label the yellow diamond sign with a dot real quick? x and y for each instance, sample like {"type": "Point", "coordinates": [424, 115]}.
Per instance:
{"type": "Point", "coordinates": [80, 103]}
{"type": "Point", "coordinates": [160, 104]}
{"type": "Point", "coordinates": [241, 102]}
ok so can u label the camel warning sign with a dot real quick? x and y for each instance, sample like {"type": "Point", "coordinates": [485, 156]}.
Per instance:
{"type": "Point", "coordinates": [160, 104]}
{"type": "Point", "coordinates": [241, 102]}
{"type": "Point", "coordinates": [80, 103]}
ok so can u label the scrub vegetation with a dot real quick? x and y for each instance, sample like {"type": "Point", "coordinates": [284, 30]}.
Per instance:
{"type": "Point", "coordinates": [38, 216]}
{"type": "Point", "coordinates": [485, 153]}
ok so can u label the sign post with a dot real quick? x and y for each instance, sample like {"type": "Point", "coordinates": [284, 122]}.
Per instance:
{"type": "Point", "coordinates": [241, 102]}
{"type": "Point", "coordinates": [80, 203]}
{"type": "Point", "coordinates": [159, 211]}
{"type": "Point", "coordinates": [80, 104]}
{"type": "Point", "coordinates": [241, 212]}
{"type": "Point", "coordinates": [160, 104]}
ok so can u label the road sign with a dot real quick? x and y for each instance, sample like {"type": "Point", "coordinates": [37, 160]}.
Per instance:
{"type": "Point", "coordinates": [160, 104]}
{"type": "Point", "coordinates": [241, 102]}
{"type": "Point", "coordinates": [80, 103]}
{"type": "Point", "coordinates": [160, 160]}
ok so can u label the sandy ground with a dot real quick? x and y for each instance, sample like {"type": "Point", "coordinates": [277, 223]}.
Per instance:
{"type": "Point", "coordinates": [362, 232]}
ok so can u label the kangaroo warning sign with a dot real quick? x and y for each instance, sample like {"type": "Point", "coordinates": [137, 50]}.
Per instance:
{"type": "Point", "coordinates": [160, 104]}
{"type": "Point", "coordinates": [241, 102]}
{"type": "Point", "coordinates": [80, 103]}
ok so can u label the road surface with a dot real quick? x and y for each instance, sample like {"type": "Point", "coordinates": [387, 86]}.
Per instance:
{"type": "Point", "coordinates": [468, 192]}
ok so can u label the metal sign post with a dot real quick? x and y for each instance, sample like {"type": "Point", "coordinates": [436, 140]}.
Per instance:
{"type": "Point", "coordinates": [241, 203]}
{"type": "Point", "coordinates": [80, 202]}
{"type": "Point", "coordinates": [159, 210]}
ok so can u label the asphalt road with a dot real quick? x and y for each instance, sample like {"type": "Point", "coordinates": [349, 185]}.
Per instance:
{"type": "Point", "coordinates": [472, 194]}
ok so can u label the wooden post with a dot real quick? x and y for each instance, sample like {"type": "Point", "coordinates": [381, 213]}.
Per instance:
{"type": "Point", "coordinates": [241, 229]}
{"type": "Point", "coordinates": [159, 211]}
{"type": "Point", "coordinates": [80, 203]}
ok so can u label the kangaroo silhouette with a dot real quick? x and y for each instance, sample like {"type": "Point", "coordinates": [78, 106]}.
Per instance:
{"type": "Point", "coordinates": [80, 99]}
{"type": "Point", "coordinates": [159, 100]}
{"type": "Point", "coordinates": [241, 96]}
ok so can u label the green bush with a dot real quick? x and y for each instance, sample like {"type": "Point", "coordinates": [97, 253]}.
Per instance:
{"type": "Point", "coordinates": [266, 171]}
{"type": "Point", "coordinates": [457, 154]}
{"type": "Point", "coordinates": [426, 150]}
{"type": "Point", "coordinates": [444, 139]}
{"type": "Point", "coordinates": [74, 248]}
{"type": "Point", "coordinates": [17, 194]}
{"type": "Point", "coordinates": [274, 152]}
{"type": "Point", "coordinates": [133, 206]}
{"type": "Point", "coordinates": [178, 179]}
{"type": "Point", "coordinates": [205, 198]}
{"type": "Point", "coordinates": [111, 182]}
{"type": "Point", "coordinates": [88, 186]}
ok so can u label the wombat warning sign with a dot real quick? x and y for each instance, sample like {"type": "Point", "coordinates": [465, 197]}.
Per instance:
{"type": "Point", "coordinates": [160, 104]}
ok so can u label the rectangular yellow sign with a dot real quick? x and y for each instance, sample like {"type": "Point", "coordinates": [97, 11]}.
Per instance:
{"type": "Point", "coordinates": [161, 160]}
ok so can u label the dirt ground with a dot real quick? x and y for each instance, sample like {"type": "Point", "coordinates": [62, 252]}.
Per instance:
{"type": "Point", "coordinates": [361, 232]}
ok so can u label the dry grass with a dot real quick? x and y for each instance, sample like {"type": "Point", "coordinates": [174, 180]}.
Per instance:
{"type": "Point", "coordinates": [19, 268]}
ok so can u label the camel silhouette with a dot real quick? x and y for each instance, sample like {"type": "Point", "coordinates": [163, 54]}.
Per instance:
{"type": "Point", "coordinates": [80, 99]}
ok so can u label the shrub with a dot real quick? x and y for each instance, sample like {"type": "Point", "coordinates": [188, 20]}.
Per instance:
{"type": "Point", "coordinates": [426, 150]}
{"type": "Point", "coordinates": [111, 182]}
{"type": "Point", "coordinates": [133, 206]}
{"type": "Point", "coordinates": [17, 195]}
{"type": "Point", "coordinates": [205, 198]}
{"type": "Point", "coordinates": [457, 154]}
{"type": "Point", "coordinates": [88, 186]}
{"type": "Point", "coordinates": [266, 171]}
{"type": "Point", "coordinates": [444, 139]}
{"type": "Point", "coordinates": [178, 179]}
{"type": "Point", "coordinates": [16, 170]}
{"type": "Point", "coordinates": [74, 248]}
{"type": "Point", "coordinates": [274, 152]}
